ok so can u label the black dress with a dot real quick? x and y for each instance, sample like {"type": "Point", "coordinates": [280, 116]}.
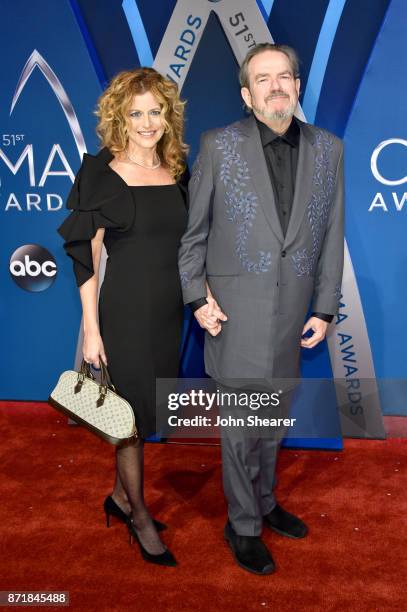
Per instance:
{"type": "Point", "coordinates": [140, 301]}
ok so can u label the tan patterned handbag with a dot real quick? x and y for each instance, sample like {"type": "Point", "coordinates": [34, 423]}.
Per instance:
{"type": "Point", "coordinates": [95, 405]}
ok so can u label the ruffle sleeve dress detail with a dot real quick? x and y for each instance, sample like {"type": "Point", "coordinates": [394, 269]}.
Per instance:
{"type": "Point", "coordinates": [99, 198]}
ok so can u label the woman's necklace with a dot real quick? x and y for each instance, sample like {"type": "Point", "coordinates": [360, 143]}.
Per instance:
{"type": "Point", "coordinates": [157, 165]}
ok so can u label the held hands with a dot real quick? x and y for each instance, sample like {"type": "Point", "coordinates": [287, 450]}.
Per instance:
{"type": "Point", "coordinates": [93, 348]}
{"type": "Point", "coordinates": [210, 315]}
{"type": "Point", "coordinates": [319, 328]}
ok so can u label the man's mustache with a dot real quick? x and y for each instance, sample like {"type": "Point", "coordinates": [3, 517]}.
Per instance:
{"type": "Point", "coordinates": [276, 93]}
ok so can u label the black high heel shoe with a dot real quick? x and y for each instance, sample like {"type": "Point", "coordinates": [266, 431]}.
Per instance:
{"type": "Point", "coordinates": [112, 509]}
{"type": "Point", "coordinates": [165, 558]}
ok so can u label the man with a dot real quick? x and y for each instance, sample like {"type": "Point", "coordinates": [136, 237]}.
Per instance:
{"type": "Point", "coordinates": [263, 242]}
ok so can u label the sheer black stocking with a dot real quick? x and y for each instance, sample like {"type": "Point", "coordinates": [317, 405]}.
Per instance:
{"type": "Point", "coordinates": [130, 481]}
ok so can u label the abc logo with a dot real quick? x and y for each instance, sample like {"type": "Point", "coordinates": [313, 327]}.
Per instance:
{"type": "Point", "coordinates": [33, 268]}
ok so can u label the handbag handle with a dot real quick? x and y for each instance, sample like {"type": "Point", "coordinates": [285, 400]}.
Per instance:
{"type": "Point", "coordinates": [106, 380]}
{"type": "Point", "coordinates": [105, 383]}
{"type": "Point", "coordinates": [84, 372]}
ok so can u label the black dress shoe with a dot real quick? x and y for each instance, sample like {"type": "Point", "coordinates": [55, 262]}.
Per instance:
{"type": "Point", "coordinates": [284, 523]}
{"type": "Point", "coordinates": [165, 558]}
{"type": "Point", "coordinates": [249, 552]}
{"type": "Point", "coordinates": [112, 509]}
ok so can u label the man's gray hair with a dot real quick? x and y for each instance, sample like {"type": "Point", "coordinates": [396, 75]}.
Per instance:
{"type": "Point", "coordinates": [260, 48]}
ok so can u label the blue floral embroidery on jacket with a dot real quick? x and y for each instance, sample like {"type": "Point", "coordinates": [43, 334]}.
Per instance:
{"type": "Point", "coordinates": [241, 204]}
{"type": "Point", "coordinates": [197, 170]}
{"type": "Point", "coordinates": [319, 206]}
{"type": "Point", "coordinates": [338, 292]}
{"type": "Point", "coordinates": [184, 278]}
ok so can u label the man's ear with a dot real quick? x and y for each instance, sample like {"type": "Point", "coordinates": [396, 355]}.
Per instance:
{"type": "Point", "coordinates": [297, 86]}
{"type": "Point", "coordinates": [246, 96]}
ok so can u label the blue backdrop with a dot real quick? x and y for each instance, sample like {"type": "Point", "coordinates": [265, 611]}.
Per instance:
{"type": "Point", "coordinates": [353, 67]}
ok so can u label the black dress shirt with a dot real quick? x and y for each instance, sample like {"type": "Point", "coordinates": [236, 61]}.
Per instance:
{"type": "Point", "coordinates": [281, 153]}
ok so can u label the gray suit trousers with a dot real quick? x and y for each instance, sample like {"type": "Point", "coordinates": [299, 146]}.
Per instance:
{"type": "Point", "coordinates": [249, 457]}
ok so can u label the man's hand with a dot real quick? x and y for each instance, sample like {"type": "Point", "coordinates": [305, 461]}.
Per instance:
{"type": "Point", "coordinates": [319, 328]}
{"type": "Point", "coordinates": [210, 316]}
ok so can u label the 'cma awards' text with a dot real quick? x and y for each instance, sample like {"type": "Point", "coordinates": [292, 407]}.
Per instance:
{"type": "Point", "coordinates": [50, 201]}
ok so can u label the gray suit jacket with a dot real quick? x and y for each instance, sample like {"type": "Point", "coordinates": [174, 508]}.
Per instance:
{"type": "Point", "coordinates": [263, 281]}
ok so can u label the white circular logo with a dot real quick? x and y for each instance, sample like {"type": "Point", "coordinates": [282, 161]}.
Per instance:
{"type": "Point", "coordinates": [33, 268]}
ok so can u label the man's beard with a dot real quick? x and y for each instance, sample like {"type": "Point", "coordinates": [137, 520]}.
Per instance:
{"type": "Point", "coordinates": [278, 115]}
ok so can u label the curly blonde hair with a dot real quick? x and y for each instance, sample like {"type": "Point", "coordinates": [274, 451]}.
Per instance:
{"type": "Point", "coordinates": [115, 102]}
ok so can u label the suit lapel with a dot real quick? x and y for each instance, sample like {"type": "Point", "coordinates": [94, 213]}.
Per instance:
{"type": "Point", "coordinates": [253, 152]}
{"type": "Point", "coordinates": [303, 183]}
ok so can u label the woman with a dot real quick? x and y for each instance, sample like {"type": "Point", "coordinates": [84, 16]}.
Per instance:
{"type": "Point", "coordinates": [130, 197]}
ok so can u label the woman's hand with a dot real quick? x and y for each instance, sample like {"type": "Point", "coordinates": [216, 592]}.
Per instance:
{"type": "Point", "coordinates": [93, 348]}
{"type": "Point", "coordinates": [210, 315]}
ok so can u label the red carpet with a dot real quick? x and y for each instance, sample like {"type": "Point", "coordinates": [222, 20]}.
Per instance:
{"type": "Point", "coordinates": [53, 534]}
